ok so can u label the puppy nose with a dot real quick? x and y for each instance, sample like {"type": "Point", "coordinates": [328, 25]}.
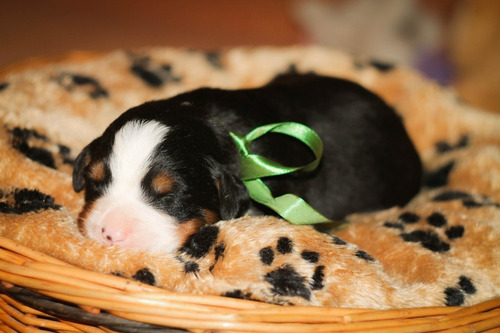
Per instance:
{"type": "Point", "coordinates": [116, 228]}
{"type": "Point", "coordinates": [113, 237]}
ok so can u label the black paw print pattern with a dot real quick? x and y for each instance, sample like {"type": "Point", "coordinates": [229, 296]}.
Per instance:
{"type": "Point", "coordinates": [468, 200]}
{"type": "Point", "coordinates": [373, 63]}
{"type": "Point", "coordinates": [214, 58]}
{"type": "Point", "coordinates": [443, 147]}
{"type": "Point", "coordinates": [153, 74]}
{"type": "Point", "coordinates": [144, 275]}
{"type": "Point", "coordinates": [427, 238]}
{"type": "Point", "coordinates": [439, 176]}
{"type": "Point", "coordinates": [455, 295]}
{"type": "Point", "coordinates": [198, 246]}
{"type": "Point", "coordinates": [22, 201]}
{"type": "Point", "coordinates": [285, 280]}
{"type": "Point", "coordinates": [37, 147]}
{"type": "Point", "coordinates": [73, 82]}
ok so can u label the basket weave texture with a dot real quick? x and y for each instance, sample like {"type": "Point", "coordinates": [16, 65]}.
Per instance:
{"type": "Point", "coordinates": [40, 293]}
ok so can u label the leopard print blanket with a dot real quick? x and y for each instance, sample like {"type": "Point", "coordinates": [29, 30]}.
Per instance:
{"type": "Point", "coordinates": [442, 248]}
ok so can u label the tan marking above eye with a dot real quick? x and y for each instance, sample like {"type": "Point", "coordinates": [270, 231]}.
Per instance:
{"type": "Point", "coordinates": [162, 183]}
{"type": "Point", "coordinates": [97, 171]}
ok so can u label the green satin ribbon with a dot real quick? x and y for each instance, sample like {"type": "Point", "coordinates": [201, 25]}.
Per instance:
{"type": "Point", "coordinates": [253, 167]}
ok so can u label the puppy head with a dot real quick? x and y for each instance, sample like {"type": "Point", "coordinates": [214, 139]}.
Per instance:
{"type": "Point", "coordinates": [149, 185]}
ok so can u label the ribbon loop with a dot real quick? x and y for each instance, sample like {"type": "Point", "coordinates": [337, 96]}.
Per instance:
{"type": "Point", "coordinates": [253, 167]}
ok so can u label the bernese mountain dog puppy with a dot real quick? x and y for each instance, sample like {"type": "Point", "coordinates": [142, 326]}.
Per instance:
{"type": "Point", "coordinates": [165, 168]}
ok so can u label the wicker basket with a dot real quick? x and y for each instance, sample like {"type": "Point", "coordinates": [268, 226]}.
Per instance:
{"type": "Point", "coordinates": [40, 293]}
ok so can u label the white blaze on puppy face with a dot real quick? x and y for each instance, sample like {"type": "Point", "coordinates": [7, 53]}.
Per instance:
{"type": "Point", "coordinates": [122, 215]}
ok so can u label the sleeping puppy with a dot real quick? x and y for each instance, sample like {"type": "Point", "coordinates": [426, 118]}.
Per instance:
{"type": "Point", "coordinates": [165, 168]}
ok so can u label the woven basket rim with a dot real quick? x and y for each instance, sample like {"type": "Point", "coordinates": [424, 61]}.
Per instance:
{"type": "Point", "coordinates": [24, 271]}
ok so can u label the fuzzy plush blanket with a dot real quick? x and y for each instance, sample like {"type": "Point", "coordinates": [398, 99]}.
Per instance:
{"type": "Point", "coordinates": [443, 248]}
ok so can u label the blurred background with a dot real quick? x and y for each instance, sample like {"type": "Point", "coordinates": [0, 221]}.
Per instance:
{"type": "Point", "coordinates": [456, 42]}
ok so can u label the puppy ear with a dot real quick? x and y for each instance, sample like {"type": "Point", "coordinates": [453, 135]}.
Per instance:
{"type": "Point", "coordinates": [81, 162]}
{"type": "Point", "coordinates": [233, 196]}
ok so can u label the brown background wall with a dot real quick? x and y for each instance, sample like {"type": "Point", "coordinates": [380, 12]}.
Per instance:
{"type": "Point", "coordinates": [28, 28]}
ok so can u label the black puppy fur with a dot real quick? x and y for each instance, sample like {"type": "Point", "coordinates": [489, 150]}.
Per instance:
{"type": "Point", "coordinates": [369, 162]}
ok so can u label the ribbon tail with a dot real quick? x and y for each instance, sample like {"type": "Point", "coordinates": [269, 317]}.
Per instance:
{"type": "Point", "coordinates": [297, 211]}
{"type": "Point", "coordinates": [260, 192]}
{"type": "Point", "coordinates": [289, 206]}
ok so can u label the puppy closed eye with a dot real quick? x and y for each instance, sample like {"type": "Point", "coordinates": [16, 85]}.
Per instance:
{"type": "Point", "coordinates": [162, 183]}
